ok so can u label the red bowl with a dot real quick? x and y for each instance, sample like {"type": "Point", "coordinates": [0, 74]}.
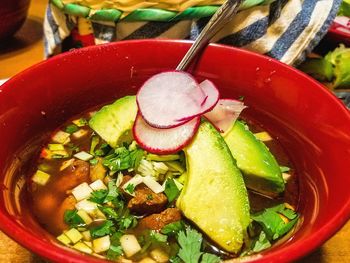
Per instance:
{"type": "Point", "coordinates": [13, 13]}
{"type": "Point", "coordinates": [312, 125]}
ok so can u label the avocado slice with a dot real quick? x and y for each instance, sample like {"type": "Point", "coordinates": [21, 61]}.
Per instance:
{"type": "Point", "coordinates": [260, 168]}
{"type": "Point", "coordinates": [214, 196]}
{"type": "Point", "coordinates": [114, 122]}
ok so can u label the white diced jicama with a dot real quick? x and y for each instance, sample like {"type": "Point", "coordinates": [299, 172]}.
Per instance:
{"type": "Point", "coordinates": [84, 215]}
{"type": "Point", "coordinates": [88, 243]}
{"type": "Point", "coordinates": [119, 179]}
{"type": "Point", "coordinates": [160, 167]}
{"type": "Point", "coordinates": [60, 137]}
{"type": "Point", "coordinates": [66, 164]}
{"type": "Point", "coordinates": [101, 244]}
{"type": "Point", "coordinates": [153, 184]}
{"type": "Point", "coordinates": [83, 247]}
{"type": "Point", "coordinates": [136, 180]}
{"type": "Point", "coordinates": [80, 122]}
{"type": "Point", "coordinates": [55, 147]}
{"type": "Point", "coordinates": [88, 206]}
{"type": "Point", "coordinates": [86, 235]}
{"type": "Point", "coordinates": [286, 176]}
{"type": "Point", "coordinates": [64, 239]}
{"type": "Point", "coordinates": [130, 245]}
{"type": "Point", "coordinates": [147, 260]}
{"type": "Point", "coordinates": [82, 191]}
{"type": "Point", "coordinates": [98, 185]}
{"type": "Point", "coordinates": [84, 156]}
{"type": "Point", "coordinates": [41, 177]}
{"type": "Point", "coordinates": [74, 235]}
{"type": "Point", "coordinates": [80, 133]}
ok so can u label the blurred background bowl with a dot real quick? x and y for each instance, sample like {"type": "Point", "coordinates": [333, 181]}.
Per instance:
{"type": "Point", "coordinates": [13, 13]}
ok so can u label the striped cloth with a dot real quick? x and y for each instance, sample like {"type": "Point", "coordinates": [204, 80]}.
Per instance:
{"type": "Point", "coordinates": [284, 29]}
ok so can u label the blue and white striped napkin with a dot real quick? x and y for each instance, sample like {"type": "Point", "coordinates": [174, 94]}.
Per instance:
{"type": "Point", "coordinates": [284, 29]}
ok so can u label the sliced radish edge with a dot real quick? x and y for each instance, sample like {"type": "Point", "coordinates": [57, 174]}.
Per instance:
{"type": "Point", "coordinates": [164, 141]}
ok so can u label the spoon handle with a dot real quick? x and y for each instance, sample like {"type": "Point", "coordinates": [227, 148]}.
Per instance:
{"type": "Point", "coordinates": [222, 16]}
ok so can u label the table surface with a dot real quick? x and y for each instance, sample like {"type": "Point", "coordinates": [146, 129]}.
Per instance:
{"type": "Point", "coordinates": [26, 49]}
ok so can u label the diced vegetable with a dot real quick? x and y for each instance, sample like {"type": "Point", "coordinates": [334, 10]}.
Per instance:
{"type": "Point", "coordinates": [41, 177]}
{"type": "Point", "coordinates": [98, 170]}
{"type": "Point", "coordinates": [61, 137]}
{"type": "Point", "coordinates": [87, 206]}
{"type": "Point", "coordinates": [82, 191]}
{"type": "Point", "coordinates": [80, 122]}
{"type": "Point", "coordinates": [101, 244]}
{"type": "Point", "coordinates": [66, 164]}
{"type": "Point", "coordinates": [94, 142]}
{"type": "Point", "coordinates": [263, 136]}
{"type": "Point", "coordinates": [86, 218]}
{"type": "Point", "coordinates": [80, 133]}
{"type": "Point", "coordinates": [175, 166]}
{"type": "Point", "coordinates": [55, 147]}
{"type": "Point", "coordinates": [84, 156]}
{"type": "Point", "coordinates": [132, 183]}
{"type": "Point", "coordinates": [159, 255]}
{"type": "Point", "coordinates": [64, 239]}
{"type": "Point", "coordinates": [83, 248]}
{"type": "Point", "coordinates": [160, 167]}
{"type": "Point", "coordinates": [86, 235]}
{"type": "Point", "coordinates": [74, 235]}
{"type": "Point", "coordinates": [98, 185]}
{"type": "Point", "coordinates": [130, 245]}
{"type": "Point", "coordinates": [147, 260]}
{"type": "Point", "coordinates": [153, 184]}
{"type": "Point", "coordinates": [59, 154]}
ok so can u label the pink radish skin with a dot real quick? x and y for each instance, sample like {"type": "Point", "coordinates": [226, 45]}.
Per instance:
{"type": "Point", "coordinates": [166, 100]}
{"type": "Point", "coordinates": [212, 98]}
{"type": "Point", "coordinates": [225, 113]}
{"type": "Point", "coordinates": [164, 141]}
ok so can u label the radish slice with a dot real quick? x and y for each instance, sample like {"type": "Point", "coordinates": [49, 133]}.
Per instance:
{"type": "Point", "coordinates": [211, 98]}
{"type": "Point", "coordinates": [164, 141]}
{"type": "Point", "coordinates": [225, 113]}
{"type": "Point", "coordinates": [168, 99]}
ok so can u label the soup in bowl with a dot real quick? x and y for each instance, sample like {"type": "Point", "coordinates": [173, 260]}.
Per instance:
{"type": "Point", "coordinates": [56, 141]}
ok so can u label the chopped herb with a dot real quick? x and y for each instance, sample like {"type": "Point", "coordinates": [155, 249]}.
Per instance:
{"type": "Point", "coordinates": [190, 245]}
{"type": "Point", "coordinates": [149, 197]}
{"type": "Point", "coordinates": [284, 169]}
{"type": "Point", "coordinates": [71, 128]}
{"type": "Point", "coordinates": [210, 258]}
{"type": "Point", "coordinates": [94, 142]}
{"type": "Point", "coordinates": [114, 252]}
{"type": "Point", "coordinates": [158, 236]}
{"type": "Point", "coordinates": [72, 218]}
{"type": "Point", "coordinates": [103, 150]}
{"type": "Point", "coordinates": [98, 196]}
{"type": "Point", "coordinates": [175, 260]}
{"type": "Point", "coordinates": [113, 191]}
{"type": "Point", "coordinates": [173, 228]}
{"type": "Point", "coordinates": [109, 212]}
{"type": "Point", "coordinates": [261, 243]}
{"type": "Point", "coordinates": [272, 223]}
{"type": "Point", "coordinates": [130, 188]}
{"type": "Point", "coordinates": [80, 122]}
{"type": "Point", "coordinates": [171, 190]}
{"type": "Point", "coordinates": [115, 238]}
{"type": "Point", "coordinates": [127, 222]}
{"type": "Point", "coordinates": [93, 161]}
{"type": "Point", "coordinates": [123, 159]}
{"type": "Point", "coordinates": [101, 230]}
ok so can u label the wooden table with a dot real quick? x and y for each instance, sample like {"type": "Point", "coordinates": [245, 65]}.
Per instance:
{"type": "Point", "coordinates": [25, 50]}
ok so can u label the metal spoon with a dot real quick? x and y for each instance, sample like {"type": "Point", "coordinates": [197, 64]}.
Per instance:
{"type": "Point", "coordinates": [221, 17]}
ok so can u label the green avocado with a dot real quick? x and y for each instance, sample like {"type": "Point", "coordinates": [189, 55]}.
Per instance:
{"type": "Point", "coordinates": [214, 196]}
{"type": "Point", "coordinates": [113, 123]}
{"type": "Point", "coordinates": [260, 168]}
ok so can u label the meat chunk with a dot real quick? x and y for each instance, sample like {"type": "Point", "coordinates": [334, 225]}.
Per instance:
{"type": "Point", "coordinates": [147, 202]}
{"type": "Point", "coordinates": [77, 173]}
{"type": "Point", "coordinates": [158, 221]}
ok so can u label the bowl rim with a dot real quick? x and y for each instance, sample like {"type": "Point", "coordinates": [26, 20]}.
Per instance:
{"type": "Point", "coordinates": [291, 252]}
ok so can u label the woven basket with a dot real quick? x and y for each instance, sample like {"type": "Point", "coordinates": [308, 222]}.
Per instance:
{"type": "Point", "coordinates": [141, 14]}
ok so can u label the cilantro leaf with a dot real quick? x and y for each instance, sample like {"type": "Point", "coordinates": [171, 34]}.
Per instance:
{"type": "Point", "coordinates": [113, 192]}
{"type": "Point", "coordinates": [158, 236]}
{"type": "Point", "coordinates": [130, 188]}
{"type": "Point", "coordinates": [101, 230]}
{"type": "Point", "coordinates": [72, 219]}
{"type": "Point", "coordinates": [127, 222]}
{"type": "Point", "coordinates": [94, 142]}
{"type": "Point", "coordinates": [210, 258]}
{"type": "Point", "coordinates": [123, 159]}
{"type": "Point", "coordinates": [173, 228]}
{"type": "Point", "coordinates": [114, 252]}
{"type": "Point", "coordinates": [71, 128]}
{"type": "Point", "coordinates": [261, 243]}
{"type": "Point", "coordinates": [190, 245]}
{"type": "Point", "coordinates": [109, 212]}
{"type": "Point", "coordinates": [102, 150]}
{"type": "Point", "coordinates": [98, 196]}
{"type": "Point", "coordinates": [171, 190]}
{"type": "Point", "coordinates": [175, 260]}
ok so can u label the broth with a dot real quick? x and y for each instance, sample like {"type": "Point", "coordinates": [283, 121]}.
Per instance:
{"type": "Point", "coordinates": [49, 202]}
